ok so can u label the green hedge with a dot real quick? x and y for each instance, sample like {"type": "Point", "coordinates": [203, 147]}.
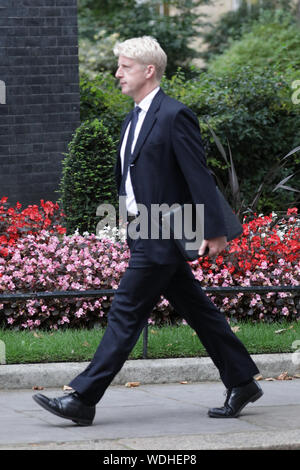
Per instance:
{"type": "Point", "coordinates": [272, 42]}
{"type": "Point", "coordinates": [88, 176]}
{"type": "Point", "coordinates": [233, 24]}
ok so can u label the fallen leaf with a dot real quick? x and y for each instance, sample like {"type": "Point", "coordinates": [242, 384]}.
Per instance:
{"type": "Point", "coordinates": [154, 332]}
{"type": "Point", "coordinates": [86, 344]}
{"type": "Point", "coordinates": [259, 377]}
{"type": "Point", "coordinates": [284, 329]}
{"type": "Point", "coordinates": [284, 376]}
{"type": "Point", "coordinates": [132, 384]}
{"type": "Point", "coordinates": [235, 328]}
{"type": "Point", "coordinates": [67, 388]}
{"type": "Point", "coordinates": [184, 382]}
{"type": "Point", "coordinates": [37, 335]}
{"type": "Point", "coordinates": [297, 376]}
{"type": "Point", "coordinates": [270, 379]}
{"type": "Point", "coordinates": [37, 387]}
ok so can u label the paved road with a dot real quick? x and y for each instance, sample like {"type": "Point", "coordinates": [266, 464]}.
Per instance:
{"type": "Point", "coordinates": [157, 417]}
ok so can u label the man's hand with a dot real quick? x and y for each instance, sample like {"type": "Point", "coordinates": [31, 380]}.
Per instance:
{"type": "Point", "coordinates": [214, 245]}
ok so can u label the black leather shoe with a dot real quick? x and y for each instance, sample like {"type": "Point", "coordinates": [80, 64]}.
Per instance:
{"type": "Point", "coordinates": [237, 398]}
{"type": "Point", "coordinates": [69, 406]}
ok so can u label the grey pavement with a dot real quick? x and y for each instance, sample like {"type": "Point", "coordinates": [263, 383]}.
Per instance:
{"type": "Point", "coordinates": [156, 417]}
{"type": "Point", "coordinates": [160, 414]}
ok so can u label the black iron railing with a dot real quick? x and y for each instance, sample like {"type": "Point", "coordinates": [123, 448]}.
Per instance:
{"type": "Point", "coordinates": [110, 292]}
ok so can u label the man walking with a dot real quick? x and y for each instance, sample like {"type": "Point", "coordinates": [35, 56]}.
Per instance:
{"type": "Point", "coordinates": [160, 161]}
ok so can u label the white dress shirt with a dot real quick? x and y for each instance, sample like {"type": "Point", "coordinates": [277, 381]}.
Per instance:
{"type": "Point", "coordinates": [144, 105]}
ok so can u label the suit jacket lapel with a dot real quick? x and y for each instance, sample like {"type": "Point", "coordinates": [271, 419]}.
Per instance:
{"type": "Point", "coordinates": [146, 128]}
{"type": "Point", "coordinates": [147, 124]}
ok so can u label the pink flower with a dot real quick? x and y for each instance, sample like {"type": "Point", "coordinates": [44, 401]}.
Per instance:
{"type": "Point", "coordinates": [79, 313]}
{"type": "Point", "coordinates": [285, 311]}
{"type": "Point", "coordinates": [264, 265]}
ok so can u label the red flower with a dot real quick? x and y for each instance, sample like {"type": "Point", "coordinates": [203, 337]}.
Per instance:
{"type": "Point", "coordinates": [16, 223]}
{"type": "Point", "coordinates": [3, 252]}
{"type": "Point", "coordinates": [61, 229]}
{"type": "Point", "coordinates": [205, 264]}
{"type": "Point", "coordinates": [3, 240]}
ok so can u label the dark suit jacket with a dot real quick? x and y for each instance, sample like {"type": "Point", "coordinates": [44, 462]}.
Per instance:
{"type": "Point", "coordinates": [169, 166]}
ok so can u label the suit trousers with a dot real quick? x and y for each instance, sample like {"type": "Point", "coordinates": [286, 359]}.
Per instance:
{"type": "Point", "coordinates": [139, 291]}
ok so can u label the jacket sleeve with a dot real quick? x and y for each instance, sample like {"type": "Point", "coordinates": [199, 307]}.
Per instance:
{"type": "Point", "coordinates": [190, 156]}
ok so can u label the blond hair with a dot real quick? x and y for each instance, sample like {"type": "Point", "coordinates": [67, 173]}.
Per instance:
{"type": "Point", "coordinates": [145, 50]}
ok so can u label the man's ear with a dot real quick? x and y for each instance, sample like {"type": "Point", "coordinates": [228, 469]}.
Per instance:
{"type": "Point", "coordinates": [150, 71]}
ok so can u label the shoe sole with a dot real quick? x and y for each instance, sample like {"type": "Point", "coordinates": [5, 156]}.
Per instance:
{"type": "Point", "coordinates": [80, 422]}
{"type": "Point", "coordinates": [251, 400]}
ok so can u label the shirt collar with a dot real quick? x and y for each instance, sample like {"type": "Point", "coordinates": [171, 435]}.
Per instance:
{"type": "Point", "coordinates": [146, 102]}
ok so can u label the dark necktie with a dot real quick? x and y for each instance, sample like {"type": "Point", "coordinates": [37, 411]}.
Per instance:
{"type": "Point", "coordinates": [128, 147]}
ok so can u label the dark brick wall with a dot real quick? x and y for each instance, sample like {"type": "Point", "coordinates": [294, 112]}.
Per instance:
{"type": "Point", "coordinates": [39, 66]}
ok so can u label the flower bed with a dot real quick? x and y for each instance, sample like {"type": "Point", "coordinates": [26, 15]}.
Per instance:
{"type": "Point", "coordinates": [15, 223]}
{"type": "Point", "coordinates": [262, 256]}
{"type": "Point", "coordinates": [44, 261]}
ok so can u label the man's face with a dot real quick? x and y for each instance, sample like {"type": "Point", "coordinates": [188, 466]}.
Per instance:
{"type": "Point", "coordinates": [132, 76]}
